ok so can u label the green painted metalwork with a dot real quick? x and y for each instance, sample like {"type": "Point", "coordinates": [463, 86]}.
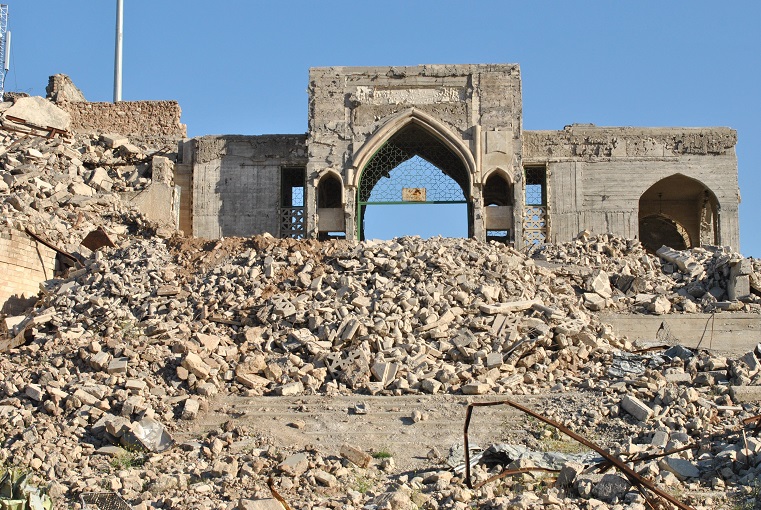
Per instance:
{"type": "Point", "coordinates": [412, 159]}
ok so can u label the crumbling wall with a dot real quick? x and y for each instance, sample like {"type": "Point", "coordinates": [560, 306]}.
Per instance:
{"type": "Point", "coordinates": [596, 175]}
{"type": "Point", "coordinates": [24, 263]}
{"type": "Point", "coordinates": [236, 182]}
{"type": "Point", "coordinates": [479, 105]}
{"type": "Point", "coordinates": [130, 118]}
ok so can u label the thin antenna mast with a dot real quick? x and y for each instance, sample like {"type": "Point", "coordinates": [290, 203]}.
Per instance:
{"type": "Point", "coordinates": [5, 47]}
{"type": "Point", "coordinates": [118, 57]}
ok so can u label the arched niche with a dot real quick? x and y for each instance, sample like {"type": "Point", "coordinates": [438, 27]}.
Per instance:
{"type": "Point", "coordinates": [498, 202]}
{"type": "Point", "coordinates": [330, 206]}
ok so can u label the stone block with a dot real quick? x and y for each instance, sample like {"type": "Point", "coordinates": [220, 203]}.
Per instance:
{"type": "Point", "coordinates": [100, 360]}
{"type": "Point", "coordinates": [118, 366]}
{"type": "Point", "coordinates": [475, 388]}
{"type": "Point", "coordinates": [636, 408]}
{"type": "Point", "coordinates": [163, 169]}
{"type": "Point", "coordinates": [356, 456]}
{"type": "Point", "coordinates": [750, 394]}
{"type": "Point", "coordinates": [324, 478]}
{"type": "Point", "coordinates": [259, 504]}
{"type": "Point", "coordinates": [385, 372]}
{"type": "Point", "coordinates": [494, 359]}
{"type": "Point", "coordinates": [35, 392]}
{"type": "Point", "coordinates": [209, 342]}
{"type": "Point", "coordinates": [290, 389]}
{"type": "Point", "coordinates": [568, 474]}
{"type": "Point", "coordinates": [251, 380]}
{"type": "Point", "coordinates": [599, 283]}
{"type": "Point", "coordinates": [196, 366]}
{"type": "Point", "coordinates": [611, 487]}
{"type": "Point", "coordinates": [431, 386]}
{"type": "Point", "coordinates": [295, 465]}
{"type": "Point", "coordinates": [100, 180]}
{"type": "Point", "coordinates": [682, 468]}
{"type": "Point", "coordinates": [190, 409]}
{"type": "Point", "coordinates": [738, 287]}
{"type": "Point", "coordinates": [594, 301]}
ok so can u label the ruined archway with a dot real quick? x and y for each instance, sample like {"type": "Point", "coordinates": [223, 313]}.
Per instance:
{"type": "Point", "coordinates": [680, 212]}
{"type": "Point", "coordinates": [416, 165]}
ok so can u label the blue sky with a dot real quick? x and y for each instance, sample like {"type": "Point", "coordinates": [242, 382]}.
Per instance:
{"type": "Point", "coordinates": [241, 67]}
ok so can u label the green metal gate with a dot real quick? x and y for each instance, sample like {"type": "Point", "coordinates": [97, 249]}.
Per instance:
{"type": "Point", "coordinates": [412, 167]}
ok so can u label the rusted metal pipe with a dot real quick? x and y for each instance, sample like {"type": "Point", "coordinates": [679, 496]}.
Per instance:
{"type": "Point", "coordinates": [634, 478]}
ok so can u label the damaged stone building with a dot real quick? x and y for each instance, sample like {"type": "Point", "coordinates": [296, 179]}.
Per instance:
{"type": "Point", "coordinates": [436, 134]}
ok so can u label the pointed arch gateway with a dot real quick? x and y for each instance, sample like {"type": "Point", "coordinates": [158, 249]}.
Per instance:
{"type": "Point", "coordinates": [679, 212]}
{"type": "Point", "coordinates": [413, 159]}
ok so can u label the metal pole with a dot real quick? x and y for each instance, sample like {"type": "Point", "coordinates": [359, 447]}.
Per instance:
{"type": "Point", "coordinates": [118, 58]}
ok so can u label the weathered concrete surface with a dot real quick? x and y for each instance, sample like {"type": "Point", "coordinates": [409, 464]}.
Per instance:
{"type": "Point", "coordinates": [475, 110]}
{"type": "Point", "coordinates": [597, 176]}
{"type": "Point", "coordinates": [723, 332]}
{"type": "Point", "coordinates": [159, 202]}
{"type": "Point", "coordinates": [236, 182]}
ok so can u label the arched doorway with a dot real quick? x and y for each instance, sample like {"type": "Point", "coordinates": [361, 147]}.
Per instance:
{"type": "Point", "coordinates": [411, 169]}
{"type": "Point", "coordinates": [679, 212]}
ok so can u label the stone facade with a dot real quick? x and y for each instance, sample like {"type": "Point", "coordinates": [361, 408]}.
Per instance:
{"type": "Point", "coordinates": [672, 185]}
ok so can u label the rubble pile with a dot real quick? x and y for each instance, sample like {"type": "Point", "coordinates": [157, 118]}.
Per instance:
{"type": "Point", "coordinates": [136, 335]}
{"type": "Point", "coordinates": [64, 188]}
{"type": "Point", "coordinates": [130, 346]}
{"type": "Point", "coordinates": [700, 279]}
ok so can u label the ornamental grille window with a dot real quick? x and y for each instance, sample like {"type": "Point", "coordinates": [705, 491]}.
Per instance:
{"type": "Point", "coordinates": [535, 210]}
{"type": "Point", "coordinates": [536, 185]}
{"type": "Point", "coordinates": [413, 159]}
{"type": "Point", "coordinates": [292, 203]}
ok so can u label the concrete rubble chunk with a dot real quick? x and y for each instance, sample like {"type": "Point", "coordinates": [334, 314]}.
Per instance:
{"type": "Point", "coordinates": [636, 408]}
{"type": "Point", "coordinates": [259, 504]}
{"type": "Point", "coordinates": [683, 469]}
{"type": "Point", "coordinates": [684, 262]}
{"type": "Point", "coordinates": [295, 465]}
{"type": "Point", "coordinates": [356, 456]}
{"type": "Point", "coordinates": [195, 365]}
{"type": "Point", "coordinates": [515, 306]}
{"type": "Point", "coordinates": [39, 112]}
{"type": "Point", "coordinates": [599, 283]}
{"type": "Point", "coordinates": [190, 409]}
